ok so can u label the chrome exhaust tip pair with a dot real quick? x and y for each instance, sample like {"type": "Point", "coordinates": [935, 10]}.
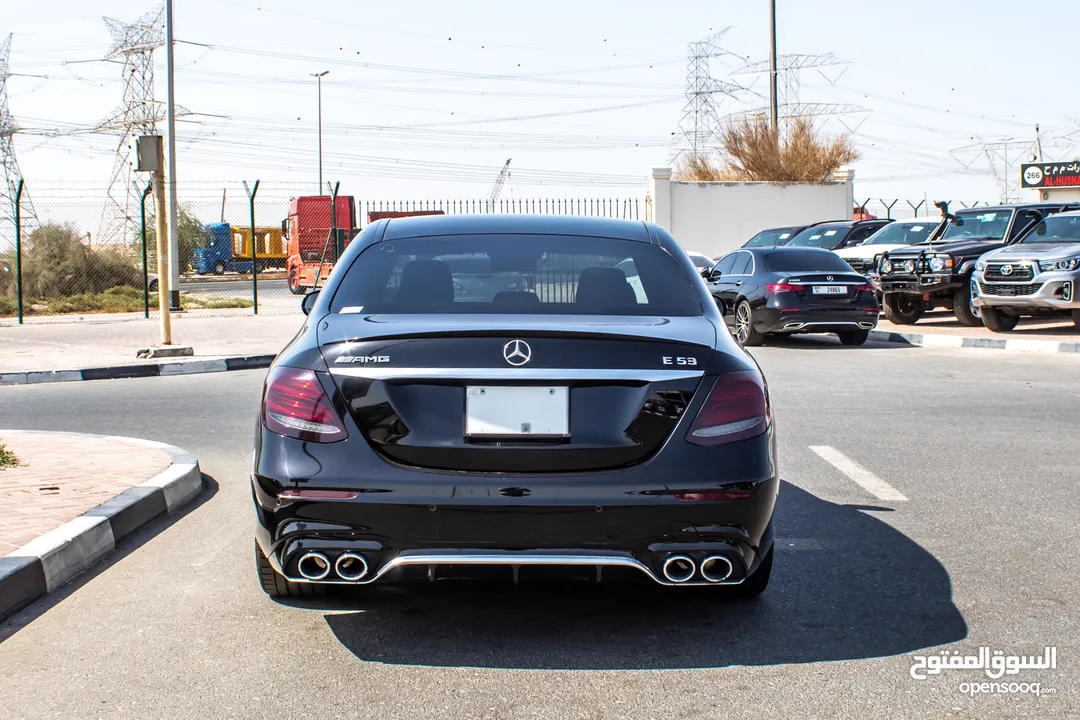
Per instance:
{"type": "Point", "coordinates": [679, 569]}
{"type": "Point", "coordinates": [315, 566]}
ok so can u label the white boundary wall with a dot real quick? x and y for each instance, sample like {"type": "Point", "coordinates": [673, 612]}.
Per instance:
{"type": "Point", "coordinates": [715, 217]}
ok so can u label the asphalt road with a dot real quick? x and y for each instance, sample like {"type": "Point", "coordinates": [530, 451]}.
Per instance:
{"type": "Point", "coordinates": [980, 552]}
{"type": "Point", "coordinates": [274, 295]}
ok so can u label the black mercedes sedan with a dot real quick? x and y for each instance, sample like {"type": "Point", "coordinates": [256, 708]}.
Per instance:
{"type": "Point", "coordinates": [787, 290]}
{"type": "Point", "coordinates": [601, 423]}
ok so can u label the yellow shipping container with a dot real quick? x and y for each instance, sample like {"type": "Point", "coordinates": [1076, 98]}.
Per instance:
{"type": "Point", "coordinates": [268, 242]}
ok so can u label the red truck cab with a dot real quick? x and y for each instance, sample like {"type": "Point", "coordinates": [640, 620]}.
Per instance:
{"type": "Point", "coordinates": [315, 240]}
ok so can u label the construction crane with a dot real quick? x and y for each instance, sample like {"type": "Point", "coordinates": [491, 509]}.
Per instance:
{"type": "Point", "coordinates": [499, 182]}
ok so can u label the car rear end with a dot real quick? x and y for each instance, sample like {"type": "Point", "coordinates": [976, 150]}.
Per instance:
{"type": "Point", "coordinates": [814, 291]}
{"type": "Point", "coordinates": [572, 428]}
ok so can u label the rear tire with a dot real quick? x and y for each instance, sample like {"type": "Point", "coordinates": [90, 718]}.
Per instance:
{"type": "Point", "coordinates": [275, 584]}
{"type": "Point", "coordinates": [754, 585]}
{"type": "Point", "coordinates": [998, 321]}
{"type": "Point", "coordinates": [219, 269]}
{"type": "Point", "coordinates": [967, 314]}
{"type": "Point", "coordinates": [854, 337]}
{"type": "Point", "coordinates": [903, 309]}
{"type": "Point", "coordinates": [745, 334]}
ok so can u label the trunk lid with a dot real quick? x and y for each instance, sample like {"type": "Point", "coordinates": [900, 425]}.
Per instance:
{"type": "Point", "coordinates": [827, 289]}
{"type": "Point", "coordinates": [507, 394]}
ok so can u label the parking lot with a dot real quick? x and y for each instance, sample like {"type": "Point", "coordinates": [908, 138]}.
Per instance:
{"type": "Point", "coordinates": [928, 506]}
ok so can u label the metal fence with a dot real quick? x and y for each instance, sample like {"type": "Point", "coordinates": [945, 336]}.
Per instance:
{"type": "Point", "coordinates": [899, 209]}
{"type": "Point", "coordinates": [60, 265]}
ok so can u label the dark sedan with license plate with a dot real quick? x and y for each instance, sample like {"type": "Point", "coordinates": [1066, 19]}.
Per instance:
{"type": "Point", "coordinates": [787, 290]}
{"type": "Point", "coordinates": [601, 425]}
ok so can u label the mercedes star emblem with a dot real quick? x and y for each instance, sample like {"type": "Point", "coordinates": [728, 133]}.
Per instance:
{"type": "Point", "coordinates": [1006, 269]}
{"type": "Point", "coordinates": [517, 352]}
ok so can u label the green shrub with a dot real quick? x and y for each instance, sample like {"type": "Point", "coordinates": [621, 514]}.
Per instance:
{"type": "Point", "coordinates": [55, 263]}
{"type": "Point", "coordinates": [7, 458]}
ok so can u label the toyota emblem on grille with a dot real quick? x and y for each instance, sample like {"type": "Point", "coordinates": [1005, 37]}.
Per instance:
{"type": "Point", "coordinates": [1006, 269]}
{"type": "Point", "coordinates": [517, 352]}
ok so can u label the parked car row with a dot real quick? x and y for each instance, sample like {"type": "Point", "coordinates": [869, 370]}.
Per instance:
{"type": "Point", "coordinates": [989, 265]}
{"type": "Point", "coordinates": [1015, 260]}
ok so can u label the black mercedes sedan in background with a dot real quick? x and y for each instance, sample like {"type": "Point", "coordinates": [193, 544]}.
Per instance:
{"type": "Point", "coordinates": [787, 290]}
{"type": "Point", "coordinates": [600, 423]}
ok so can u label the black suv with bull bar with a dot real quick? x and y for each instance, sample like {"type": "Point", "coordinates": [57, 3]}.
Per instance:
{"type": "Point", "coordinates": [937, 272]}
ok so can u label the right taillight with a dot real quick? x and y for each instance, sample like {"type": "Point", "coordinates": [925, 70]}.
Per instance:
{"type": "Point", "coordinates": [737, 408]}
{"type": "Point", "coordinates": [294, 405]}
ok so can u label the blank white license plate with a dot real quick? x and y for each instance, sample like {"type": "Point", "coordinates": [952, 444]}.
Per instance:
{"type": "Point", "coordinates": [830, 290]}
{"type": "Point", "coordinates": [517, 411]}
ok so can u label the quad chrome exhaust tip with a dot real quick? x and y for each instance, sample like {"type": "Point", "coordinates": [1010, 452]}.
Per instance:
{"type": "Point", "coordinates": [313, 566]}
{"type": "Point", "coordinates": [716, 568]}
{"type": "Point", "coordinates": [351, 566]}
{"type": "Point", "coordinates": [679, 568]}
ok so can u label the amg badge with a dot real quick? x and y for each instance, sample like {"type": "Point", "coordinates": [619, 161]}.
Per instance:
{"type": "Point", "coordinates": [363, 359]}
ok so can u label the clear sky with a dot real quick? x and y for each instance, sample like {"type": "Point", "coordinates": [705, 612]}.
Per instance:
{"type": "Point", "coordinates": [427, 99]}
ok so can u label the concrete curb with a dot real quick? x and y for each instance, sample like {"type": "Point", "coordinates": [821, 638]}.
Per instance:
{"type": "Point", "coordinates": [153, 369]}
{"type": "Point", "coordinates": [47, 562]}
{"type": "Point", "coordinates": [958, 341]}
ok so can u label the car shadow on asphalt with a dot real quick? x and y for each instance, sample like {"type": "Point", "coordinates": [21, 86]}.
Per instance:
{"type": "Point", "coordinates": [807, 341]}
{"type": "Point", "coordinates": [845, 586]}
{"type": "Point", "coordinates": [125, 547]}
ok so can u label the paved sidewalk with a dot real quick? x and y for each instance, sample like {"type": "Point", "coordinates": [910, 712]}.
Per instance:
{"type": "Point", "coordinates": [943, 323]}
{"type": "Point", "coordinates": [72, 346]}
{"type": "Point", "coordinates": [72, 497]}
{"type": "Point", "coordinates": [63, 476]}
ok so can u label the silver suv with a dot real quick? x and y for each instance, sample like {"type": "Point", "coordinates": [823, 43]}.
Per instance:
{"type": "Point", "coordinates": [1039, 275]}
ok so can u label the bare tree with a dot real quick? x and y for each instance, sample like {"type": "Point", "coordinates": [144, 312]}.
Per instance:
{"type": "Point", "coordinates": [752, 151]}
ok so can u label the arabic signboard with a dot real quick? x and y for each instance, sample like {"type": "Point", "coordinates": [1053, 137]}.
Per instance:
{"type": "Point", "coordinates": [1050, 175]}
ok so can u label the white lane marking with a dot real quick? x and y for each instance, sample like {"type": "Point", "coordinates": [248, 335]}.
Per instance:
{"type": "Point", "coordinates": [863, 477]}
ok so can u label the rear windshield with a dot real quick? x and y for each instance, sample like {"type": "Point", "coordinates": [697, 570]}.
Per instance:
{"type": "Point", "coordinates": [806, 261]}
{"type": "Point", "coordinates": [822, 236]}
{"type": "Point", "coordinates": [516, 274]}
{"type": "Point", "coordinates": [767, 238]}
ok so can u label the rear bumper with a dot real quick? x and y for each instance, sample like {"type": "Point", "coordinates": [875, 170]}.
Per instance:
{"type": "Point", "coordinates": [1046, 291]}
{"type": "Point", "coordinates": [408, 523]}
{"type": "Point", "coordinates": [772, 320]}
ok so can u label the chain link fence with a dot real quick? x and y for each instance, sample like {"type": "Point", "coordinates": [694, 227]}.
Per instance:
{"type": "Point", "coordinates": [898, 209]}
{"type": "Point", "coordinates": [61, 264]}
{"type": "Point", "coordinates": [71, 263]}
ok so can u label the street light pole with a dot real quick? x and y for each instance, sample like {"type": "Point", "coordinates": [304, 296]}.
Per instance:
{"type": "Point", "coordinates": [174, 227]}
{"type": "Point", "coordinates": [319, 77]}
{"type": "Point", "coordinates": [774, 102]}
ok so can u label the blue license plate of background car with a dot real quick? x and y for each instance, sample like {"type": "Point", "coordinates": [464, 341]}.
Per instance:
{"type": "Point", "coordinates": [829, 290]}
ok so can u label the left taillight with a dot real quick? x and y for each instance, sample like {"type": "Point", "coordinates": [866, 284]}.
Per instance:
{"type": "Point", "coordinates": [294, 405]}
{"type": "Point", "coordinates": [737, 408]}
